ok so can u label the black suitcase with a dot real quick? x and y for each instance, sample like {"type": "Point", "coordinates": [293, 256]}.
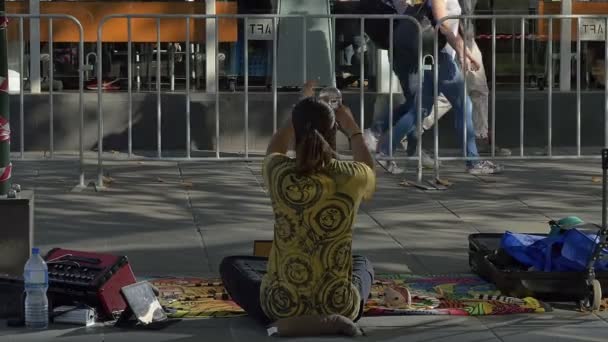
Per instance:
{"type": "Point", "coordinates": [487, 260]}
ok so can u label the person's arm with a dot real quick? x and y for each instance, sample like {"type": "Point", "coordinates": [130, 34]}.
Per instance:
{"type": "Point", "coordinates": [353, 132]}
{"type": "Point", "coordinates": [279, 143]}
{"type": "Point", "coordinates": [455, 40]}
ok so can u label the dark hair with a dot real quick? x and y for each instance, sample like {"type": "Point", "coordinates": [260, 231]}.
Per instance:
{"type": "Point", "coordinates": [315, 126]}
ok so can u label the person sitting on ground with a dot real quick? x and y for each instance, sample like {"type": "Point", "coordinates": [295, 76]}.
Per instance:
{"type": "Point", "coordinates": [315, 198]}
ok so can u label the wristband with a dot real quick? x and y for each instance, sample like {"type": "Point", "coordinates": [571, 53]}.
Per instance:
{"type": "Point", "coordinates": [355, 134]}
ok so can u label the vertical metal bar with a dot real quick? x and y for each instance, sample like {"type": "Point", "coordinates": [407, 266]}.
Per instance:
{"type": "Point", "coordinates": [171, 53]}
{"type": "Point", "coordinates": [465, 93]}
{"type": "Point", "coordinates": [493, 133]}
{"type": "Point", "coordinates": [522, 78]}
{"type": "Point", "coordinates": [246, 72]}
{"type": "Point", "coordinates": [362, 77]}
{"type": "Point", "coordinates": [158, 94]}
{"type": "Point", "coordinates": [81, 100]}
{"type": "Point", "coordinates": [419, 107]}
{"type": "Point", "coordinates": [606, 84]}
{"type": "Point", "coordinates": [99, 107]}
{"type": "Point", "coordinates": [51, 104]}
{"type": "Point", "coordinates": [550, 91]}
{"type": "Point", "coordinates": [578, 88]}
{"type": "Point", "coordinates": [274, 75]}
{"type": "Point", "coordinates": [435, 67]}
{"type": "Point", "coordinates": [304, 49]}
{"type": "Point", "coordinates": [21, 91]}
{"type": "Point", "coordinates": [130, 85]}
{"type": "Point", "coordinates": [333, 51]}
{"type": "Point", "coordinates": [390, 86]}
{"type": "Point", "coordinates": [217, 94]}
{"type": "Point", "coordinates": [187, 60]}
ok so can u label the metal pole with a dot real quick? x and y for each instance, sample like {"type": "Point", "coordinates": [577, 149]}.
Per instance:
{"type": "Point", "coordinates": [34, 71]}
{"type": "Point", "coordinates": [246, 72]}
{"type": "Point", "coordinates": [493, 142]}
{"type": "Point", "coordinates": [550, 93]}
{"type": "Point", "coordinates": [21, 90]}
{"type": "Point", "coordinates": [435, 67]}
{"type": "Point", "coordinates": [211, 45]}
{"type": "Point", "coordinates": [80, 100]}
{"type": "Point", "coordinates": [130, 85]}
{"type": "Point", "coordinates": [304, 49]}
{"type": "Point", "coordinates": [5, 131]}
{"type": "Point", "coordinates": [578, 89]}
{"type": "Point", "coordinates": [522, 78]}
{"type": "Point", "coordinates": [362, 76]}
{"type": "Point", "coordinates": [606, 84]}
{"type": "Point", "coordinates": [565, 47]}
{"type": "Point", "coordinates": [274, 75]}
{"type": "Point", "coordinates": [333, 51]}
{"type": "Point", "coordinates": [99, 108]}
{"type": "Point", "coordinates": [171, 52]}
{"type": "Point", "coordinates": [158, 93]}
{"type": "Point", "coordinates": [51, 78]}
{"type": "Point", "coordinates": [390, 86]}
{"type": "Point", "coordinates": [217, 93]}
{"type": "Point", "coordinates": [465, 93]}
{"type": "Point", "coordinates": [419, 106]}
{"type": "Point", "coordinates": [187, 59]}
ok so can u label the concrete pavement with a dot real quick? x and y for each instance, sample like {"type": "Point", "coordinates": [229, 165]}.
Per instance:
{"type": "Point", "coordinates": [183, 218]}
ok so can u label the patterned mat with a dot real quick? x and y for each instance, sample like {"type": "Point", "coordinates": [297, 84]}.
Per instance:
{"type": "Point", "coordinates": [465, 295]}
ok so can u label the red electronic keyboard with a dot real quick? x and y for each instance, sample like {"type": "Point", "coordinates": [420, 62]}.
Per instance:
{"type": "Point", "coordinates": [90, 278]}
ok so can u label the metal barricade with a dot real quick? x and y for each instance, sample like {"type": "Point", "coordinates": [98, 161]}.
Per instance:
{"type": "Point", "coordinates": [51, 17]}
{"type": "Point", "coordinates": [216, 18]}
{"type": "Point", "coordinates": [523, 18]}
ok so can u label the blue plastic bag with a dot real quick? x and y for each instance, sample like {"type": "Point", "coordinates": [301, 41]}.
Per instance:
{"type": "Point", "coordinates": [567, 252]}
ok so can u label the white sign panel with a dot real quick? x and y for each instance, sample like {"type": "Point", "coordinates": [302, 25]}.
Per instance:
{"type": "Point", "coordinates": [259, 29]}
{"type": "Point", "coordinates": [592, 29]}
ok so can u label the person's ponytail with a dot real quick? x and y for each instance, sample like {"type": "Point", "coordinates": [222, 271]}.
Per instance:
{"type": "Point", "coordinates": [312, 153]}
{"type": "Point", "coordinates": [314, 124]}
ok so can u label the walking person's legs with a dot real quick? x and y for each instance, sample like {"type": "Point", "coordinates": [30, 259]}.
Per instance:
{"type": "Point", "coordinates": [451, 84]}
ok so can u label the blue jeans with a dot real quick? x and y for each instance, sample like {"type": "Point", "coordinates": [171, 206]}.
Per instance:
{"type": "Point", "coordinates": [405, 65]}
{"type": "Point", "coordinates": [451, 85]}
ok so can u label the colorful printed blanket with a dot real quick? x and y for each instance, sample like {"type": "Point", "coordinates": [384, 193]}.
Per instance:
{"type": "Point", "coordinates": [465, 295]}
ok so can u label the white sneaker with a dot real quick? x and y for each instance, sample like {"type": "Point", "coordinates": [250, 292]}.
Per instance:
{"type": "Point", "coordinates": [428, 162]}
{"type": "Point", "coordinates": [389, 165]}
{"type": "Point", "coordinates": [371, 141]}
{"type": "Point", "coordinates": [484, 167]}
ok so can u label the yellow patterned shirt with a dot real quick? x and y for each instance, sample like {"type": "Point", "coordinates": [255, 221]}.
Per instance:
{"type": "Point", "coordinates": [310, 264]}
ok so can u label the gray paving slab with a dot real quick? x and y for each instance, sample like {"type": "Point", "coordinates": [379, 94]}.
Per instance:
{"type": "Point", "coordinates": [558, 326]}
{"type": "Point", "coordinates": [183, 218]}
{"type": "Point", "coordinates": [418, 328]}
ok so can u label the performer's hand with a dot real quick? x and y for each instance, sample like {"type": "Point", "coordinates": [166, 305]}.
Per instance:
{"type": "Point", "coordinates": [345, 120]}
{"type": "Point", "coordinates": [473, 65]}
{"type": "Point", "coordinates": [309, 88]}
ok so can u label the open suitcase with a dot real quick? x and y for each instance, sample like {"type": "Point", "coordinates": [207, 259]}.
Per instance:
{"type": "Point", "coordinates": [489, 261]}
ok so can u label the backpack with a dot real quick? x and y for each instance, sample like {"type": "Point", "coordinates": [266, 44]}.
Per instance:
{"type": "Point", "coordinates": [379, 29]}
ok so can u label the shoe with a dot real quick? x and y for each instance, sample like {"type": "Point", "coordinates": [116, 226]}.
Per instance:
{"type": "Point", "coordinates": [484, 146]}
{"type": "Point", "coordinates": [389, 166]}
{"type": "Point", "coordinates": [428, 162]}
{"type": "Point", "coordinates": [484, 167]}
{"type": "Point", "coordinates": [105, 85]}
{"type": "Point", "coordinates": [371, 141]}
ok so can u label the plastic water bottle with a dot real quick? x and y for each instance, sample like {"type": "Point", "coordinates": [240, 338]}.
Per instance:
{"type": "Point", "coordinates": [36, 281]}
{"type": "Point", "coordinates": [331, 96]}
